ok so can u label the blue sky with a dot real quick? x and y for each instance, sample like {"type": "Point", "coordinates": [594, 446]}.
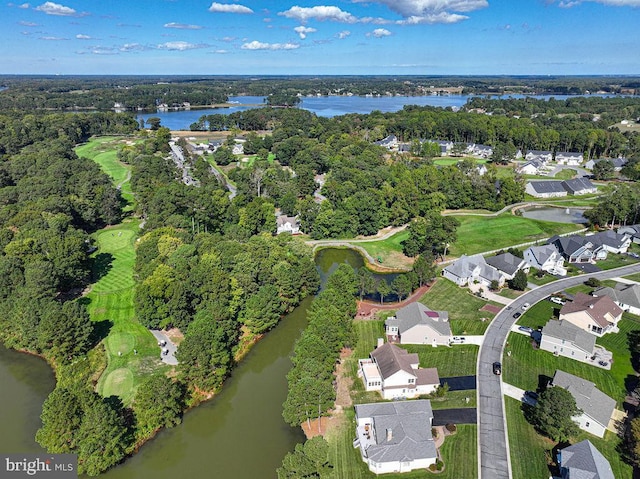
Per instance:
{"type": "Point", "coordinates": [391, 37]}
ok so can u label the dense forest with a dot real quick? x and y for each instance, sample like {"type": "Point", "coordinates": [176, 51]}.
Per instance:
{"type": "Point", "coordinates": [147, 92]}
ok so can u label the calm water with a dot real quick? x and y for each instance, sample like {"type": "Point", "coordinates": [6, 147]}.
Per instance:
{"type": "Point", "coordinates": [240, 434]}
{"type": "Point", "coordinates": [327, 106]}
{"type": "Point", "coordinates": [557, 215]}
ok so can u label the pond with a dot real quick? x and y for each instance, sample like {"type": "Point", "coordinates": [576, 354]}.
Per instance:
{"type": "Point", "coordinates": [556, 215]}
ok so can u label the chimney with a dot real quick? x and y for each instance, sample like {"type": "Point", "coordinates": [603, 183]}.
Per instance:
{"type": "Point", "coordinates": [380, 342]}
{"type": "Point", "coordinates": [389, 434]}
{"type": "Point", "coordinates": [591, 306]}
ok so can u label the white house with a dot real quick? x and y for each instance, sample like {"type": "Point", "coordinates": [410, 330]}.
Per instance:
{"type": "Point", "coordinates": [545, 189]}
{"type": "Point", "coordinates": [632, 231]}
{"type": "Point", "coordinates": [395, 436]}
{"type": "Point", "coordinates": [532, 167]}
{"type": "Point", "coordinates": [390, 142]}
{"type": "Point", "coordinates": [417, 324]}
{"type": "Point", "coordinates": [538, 155]}
{"type": "Point", "coordinates": [611, 241]}
{"type": "Point", "coordinates": [627, 296]}
{"type": "Point", "coordinates": [569, 158]}
{"type": "Point", "coordinates": [565, 339]}
{"type": "Point", "coordinates": [583, 460]}
{"type": "Point", "coordinates": [507, 264]}
{"type": "Point", "coordinates": [395, 373]}
{"type": "Point", "coordinates": [597, 408]}
{"type": "Point", "coordinates": [287, 224]}
{"type": "Point", "coordinates": [547, 258]}
{"type": "Point", "coordinates": [579, 186]}
{"type": "Point", "coordinates": [597, 316]}
{"type": "Point", "coordinates": [579, 249]}
{"type": "Point", "coordinates": [470, 269]}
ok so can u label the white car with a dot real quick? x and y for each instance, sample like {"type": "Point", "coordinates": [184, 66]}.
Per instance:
{"type": "Point", "coordinates": [525, 306]}
{"type": "Point", "coordinates": [555, 299]}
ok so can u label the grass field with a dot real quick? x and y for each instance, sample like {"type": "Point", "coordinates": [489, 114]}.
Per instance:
{"type": "Point", "coordinates": [477, 234]}
{"type": "Point", "coordinates": [349, 465]}
{"type": "Point", "coordinates": [132, 352]}
{"type": "Point", "coordinates": [104, 151]}
{"type": "Point", "coordinates": [531, 452]}
{"type": "Point", "coordinates": [463, 307]}
{"type": "Point", "coordinates": [389, 250]}
{"type": "Point", "coordinates": [455, 161]}
{"type": "Point", "coordinates": [525, 366]}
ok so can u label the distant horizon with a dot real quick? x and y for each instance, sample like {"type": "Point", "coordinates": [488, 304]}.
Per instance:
{"type": "Point", "coordinates": [340, 37]}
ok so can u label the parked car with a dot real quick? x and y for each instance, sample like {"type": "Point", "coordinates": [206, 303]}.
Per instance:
{"type": "Point", "coordinates": [458, 339]}
{"type": "Point", "coordinates": [526, 329]}
{"type": "Point", "coordinates": [531, 394]}
{"type": "Point", "coordinates": [603, 363]}
{"type": "Point", "coordinates": [497, 368]}
{"type": "Point", "coordinates": [634, 255]}
{"type": "Point", "coordinates": [517, 315]}
{"type": "Point", "coordinates": [555, 299]}
{"type": "Point", "coordinates": [525, 306]}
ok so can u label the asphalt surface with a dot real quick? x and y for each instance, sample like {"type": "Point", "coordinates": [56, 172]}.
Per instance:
{"type": "Point", "coordinates": [442, 417]}
{"type": "Point", "coordinates": [494, 461]}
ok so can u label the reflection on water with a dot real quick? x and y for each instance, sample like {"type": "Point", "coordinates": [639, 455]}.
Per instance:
{"type": "Point", "coordinates": [557, 215]}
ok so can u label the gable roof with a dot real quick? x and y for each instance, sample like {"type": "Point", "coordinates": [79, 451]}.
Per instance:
{"type": "Point", "coordinates": [578, 184]}
{"type": "Point", "coordinates": [547, 186]}
{"type": "Point", "coordinates": [569, 154]}
{"type": "Point", "coordinates": [608, 238]}
{"type": "Point", "coordinates": [464, 266]}
{"type": "Point", "coordinates": [589, 399]}
{"type": "Point", "coordinates": [538, 153]}
{"type": "Point", "coordinates": [628, 294]}
{"type": "Point", "coordinates": [568, 245]}
{"type": "Point", "coordinates": [543, 252]}
{"type": "Point", "coordinates": [506, 262]}
{"type": "Point", "coordinates": [596, 307]}
{"type": "Point", "coordinates": [584, 461]}
{"type": "Point", "coordinates": [391, 359]}
{"type": "Point", "coordinates": [417, 313]}
{"type": "Point", "coordinates": [409, 425]}
{"type": "Point", "coordinates": [566, 331]}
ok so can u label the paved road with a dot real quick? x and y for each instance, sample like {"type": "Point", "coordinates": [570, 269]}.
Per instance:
{"type": "Point", "coordinates": [494, 461]}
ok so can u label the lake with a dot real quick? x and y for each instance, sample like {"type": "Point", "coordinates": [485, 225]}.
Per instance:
{"type": "Point", "coordinates": [557, 215]}
{"type": "Point", "coordinates": [325, 106]}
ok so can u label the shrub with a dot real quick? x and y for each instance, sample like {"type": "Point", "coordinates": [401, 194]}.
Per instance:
{"type": "Point", "coordinates": [451, 427]}
{"type": "Point", "coordinates": [593, 282]}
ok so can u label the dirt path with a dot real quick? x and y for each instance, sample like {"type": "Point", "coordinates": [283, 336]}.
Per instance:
{"type": "Point", "coordinates": [368, 309]}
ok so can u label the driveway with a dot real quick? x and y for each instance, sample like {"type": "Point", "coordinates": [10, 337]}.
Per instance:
{"type": "Point", "coordinates": [170, 357]}
{"type": "Point", "coordinates": [494, 461]}
{"type": "Point", "coordinates": [459, 383]}
{"type": "Point", "coordinates": [442, 417]}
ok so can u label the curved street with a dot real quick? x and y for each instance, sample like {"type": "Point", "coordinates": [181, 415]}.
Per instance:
{"type": "Point", "coordinates": [493, 445]}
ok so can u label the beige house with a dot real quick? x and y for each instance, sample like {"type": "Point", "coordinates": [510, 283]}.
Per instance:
{"type": "Point", "coordinates": [597, 315]}
{"type": "Point", "coordinates": [395, 373]}
{"type": "Point", "coordinates": [417, 324]}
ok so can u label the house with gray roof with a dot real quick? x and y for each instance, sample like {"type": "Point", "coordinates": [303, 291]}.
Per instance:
{"type": "Point", "coordinates": [617, 163]}
{"type": "Point", "coordinates": [471, 269]}
{"type": "Point", "coordinates": [508, 264]}
{"type": "Point", "coordinates": [583, 461]}
{"type": "Point", "coordinates": [539, 155]}
{"type": "Point", "coordinates": [532, 167]}
{"type": "Point", "coordinates": [417, 324]}
{"type": "Point", "coordinates": [395, 436]}
{"type": "Point", "coordinates": [627, 296]}
{"type": "Point", "coordinates": [565, 339]}
{"type": "Point", "coordinates": [597, 408]}
{"type": "Point", "coordinates": [390, 142]}
{"type": "Point", "coordinates": [287, 224]}
{"type": "Point", "coordinates": [570, 158]}
{"type": "Point", "coordinates": [610, 241]}
{"type": "Point", "coordinates": [579, 186]}
{"type": "Point", "coordinates": [632, 231]}
{"type": "Point", "coordinates": [546, 258]}
{"type": "Point", "coordinates": [579, 249]}
{"type": "Point", "coordinates": [545, 189]}
{"type": "Point", "coordinates": [395, 373]}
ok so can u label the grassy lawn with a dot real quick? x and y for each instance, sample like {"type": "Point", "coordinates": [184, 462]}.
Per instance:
{"type": "Point", "coordinates": [567, 201]}
{"type": "Point", "coordinates": [477, 234]}
{"type": "Point", "coordinates": [528, 449]}
{"type": "Point", "coordinates": [530, 452]}
{"type": "Point", "coordinates": [463, 307]}
{"type": "Point", "coordinates": [565, 174]}
{"type": "Point", "coordinates": [634, 277]}
{"type": "Point", "coordinates": [616, 261]}
{"type": "Point", "coordinates": [104, 151]}
{"type": "Point", "coordinates": [547, 278]}
{"type": "Point", "coordinates": [455, 161]}
{"type": "Point", "coordinates": [349, 465]}
{"type": "Point", "coordinates": [510, 293]}
{"type": "Point", "coordinates": [458, 360]}
{"type": "Point", "coordinates": [132, 352]}
{"type": "Point", "coordinates": [389, 250]}
{"type": "Point", "coordinates": [527, 368]}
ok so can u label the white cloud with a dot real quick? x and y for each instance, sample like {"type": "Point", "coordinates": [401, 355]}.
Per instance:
{"type": "Point", "coordinates": [229, 39]}
{"type": "Point", "coordinates": [28, 24]}
{"type": "Point", "coordinates": [343, 34]}
{"type": "Point", "coordinates": [182, 26]}
{"type": "Point", "coordinates": [180, 46]}
{"type": "Point", "coordinates": [51, 8]}
{"type": "Point", "coordinates": [611, 3]}
{"type": "Point", "coordinates": [24, 5]}
{"type": "Point", "coordinates": [303, 31]}
{"type": "Point", "coordinates": [430, 11]}
{"type": "Point", "coordinates": [52, 39]}
{"type": "Point", "coordinates": [320, 12]}
{"type": "Point", "coordinates": [256, 45]}
{"type": "Point", "coordinates": [80, 36]}
{"type": "Point", "coordinates": [221, 52]}
{"type": "Point", "coordinates": [441, 17]}
{"type": "Point", "coordinates": [228, 8]}
{"type": "Point", "coordinates": [379, 33]}
{"type": "Point", "coordinates": [133, 47]}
